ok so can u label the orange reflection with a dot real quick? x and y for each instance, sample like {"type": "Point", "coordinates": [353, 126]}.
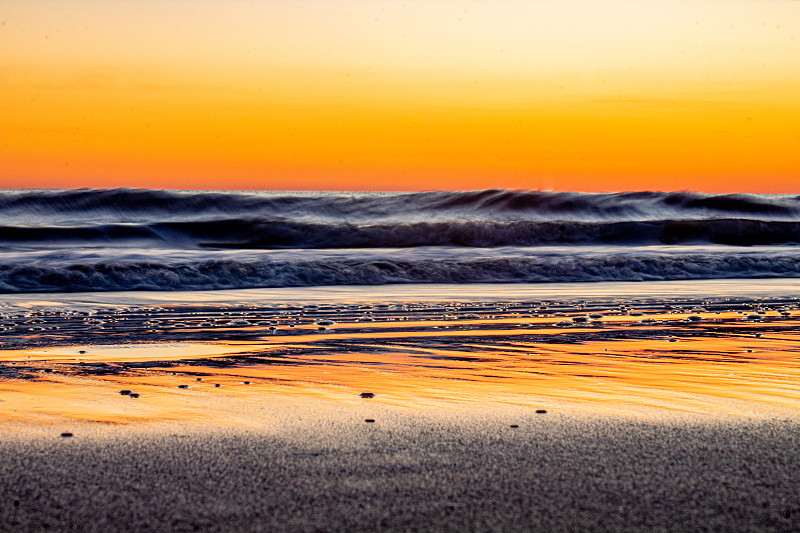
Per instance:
{"type": "Point", "coordinates": [622, 366]}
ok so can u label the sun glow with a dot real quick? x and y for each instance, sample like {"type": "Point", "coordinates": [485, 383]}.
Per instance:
{"type": "Point", "coordinates": [385, 95]}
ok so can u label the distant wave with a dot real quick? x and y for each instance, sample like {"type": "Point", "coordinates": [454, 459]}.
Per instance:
{"type": "Point", "coordinates": [232, 274]}
{"type": "Point", "coordinates": [154, 205]}
{"type": "Point", "coordinates": [261, 233]}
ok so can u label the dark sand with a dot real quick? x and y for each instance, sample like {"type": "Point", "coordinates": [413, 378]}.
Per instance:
{"type": "Point", "coordinates": [413, 473]}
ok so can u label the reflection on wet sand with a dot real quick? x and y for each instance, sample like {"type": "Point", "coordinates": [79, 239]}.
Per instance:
{"type": "Point", "coordinates": [224, 364]}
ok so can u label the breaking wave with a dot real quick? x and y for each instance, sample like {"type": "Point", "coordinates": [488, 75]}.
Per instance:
{"type": "Point", "coordinates": [232, 274]}
{"type": "Point", "coordinates": [152, 205]}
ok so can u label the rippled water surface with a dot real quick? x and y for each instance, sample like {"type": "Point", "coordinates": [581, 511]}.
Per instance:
{"type": "Point", "coordinates": [195, 360]}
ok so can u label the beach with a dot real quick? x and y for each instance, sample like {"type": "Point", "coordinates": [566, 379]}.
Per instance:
{"type": "Point", "coordinates": [376, 266]}
{"type": "Point", "coordinates": [575, 407]}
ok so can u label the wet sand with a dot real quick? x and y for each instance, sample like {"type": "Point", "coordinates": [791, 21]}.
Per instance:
{"type": "Point", "coordinates": [673, 414]}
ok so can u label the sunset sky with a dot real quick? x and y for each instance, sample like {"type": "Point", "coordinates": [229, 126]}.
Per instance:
{"type": "Point", "coordinates": [393, 95]}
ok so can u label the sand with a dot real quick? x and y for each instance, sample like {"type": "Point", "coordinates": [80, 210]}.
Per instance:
{"type": "Point", "coordinates": [662, 414]}
{"type": "Point", "coordinates": [414, 473]}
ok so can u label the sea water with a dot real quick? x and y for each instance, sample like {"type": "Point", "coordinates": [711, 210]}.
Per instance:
{"type": "Point", "coordinates": [152, 240]}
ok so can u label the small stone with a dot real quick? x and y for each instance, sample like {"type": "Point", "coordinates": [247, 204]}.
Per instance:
{"type": "Point", "coordinates": [246, 382]}
{"type": "Point", "coordinates": [125, 392]}
{"type": "Point", "coordinates": [216, 384]}
{"type": "Point", "coordinates": [16, 503]}
{"type": "Point", "coordinates": [199, 379]}
{"type": "Point", "coordinates": [369, 420]}
{"type": "Point", "coordinates": [183, 386]}
{"type": "Point", "coordinates": [134, 395]}
{"type": "Point", "coordinates": [514, 426]}
{"type": "Point", "coordinates": [66, 434]}
{"type": "Point", "coordinates": [367, 395]}
{"type": "Point", "coordinates": [48, 370]}
{"type": "Point", "coordinates": [81, 352]}
{"type": "Point", "coordinates": [540, 411]}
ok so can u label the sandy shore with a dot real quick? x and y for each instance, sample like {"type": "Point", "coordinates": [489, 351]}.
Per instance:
{"type": "Point", "coordinates": [410, 472]}
{"type": "Point", "coordinates": [662, 414]}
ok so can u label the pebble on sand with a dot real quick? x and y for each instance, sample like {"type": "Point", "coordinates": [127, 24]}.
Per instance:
{"type": "Point", "coordinates": [367, 395]}
{"type": "Point", "coordinates": [514, 426]}
{"type": "Point", "coordinates": [125, 392]}
{"type": "Point", "coordinates": [541, 411]}
{"type": "Point", "coordinates": [66, 434]}
{"type": "Point", "coordinates": [134, 395]}
{"type": "Point", "coordinates": [246, 382]}
{"type": "Point", "coordinates": [216, 384]}
{"type": "Point", "coordinates": [183, 386]}
{"type": "Point", "coordinates": [370, 420]}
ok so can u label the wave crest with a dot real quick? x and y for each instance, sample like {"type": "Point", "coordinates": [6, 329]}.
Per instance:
{"type": "Point", "coordinates": [158, 204]}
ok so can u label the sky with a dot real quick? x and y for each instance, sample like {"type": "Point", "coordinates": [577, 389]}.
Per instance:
{"type": "Point", "coordinates": [401, 95]}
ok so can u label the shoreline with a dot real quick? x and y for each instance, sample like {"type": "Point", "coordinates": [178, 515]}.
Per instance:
{"type": "Point", "coordinates": [719, 288]}
{"type": "Point", "coordinates": [709, 355]}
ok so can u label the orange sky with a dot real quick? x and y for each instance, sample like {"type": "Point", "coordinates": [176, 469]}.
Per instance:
{"type": "Point", "coordinates": [345, 94]}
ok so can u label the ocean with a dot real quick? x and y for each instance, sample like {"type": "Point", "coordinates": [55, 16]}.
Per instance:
{"type": "Point", "coordinates": [156, 240]}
